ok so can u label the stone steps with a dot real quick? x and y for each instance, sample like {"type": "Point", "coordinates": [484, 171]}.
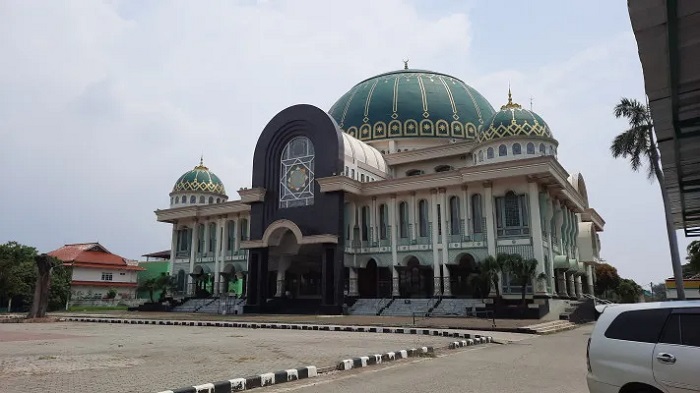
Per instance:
{"type": "Point", "coordinates": [548, 327]}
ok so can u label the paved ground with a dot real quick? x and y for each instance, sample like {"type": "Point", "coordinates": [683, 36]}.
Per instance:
{"type": "Point", "coordinates": [365, 320]}
{"type": "Point", "coordinates": [543, 364]}
{"type": "Point", "coordinates": [91, 357]}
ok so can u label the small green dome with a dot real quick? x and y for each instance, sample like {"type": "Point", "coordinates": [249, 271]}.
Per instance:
{"type": "Point", "coordinates": [513, 120]}
{"type": "Point", "coordinates": [200, 179]}
{"type": "Point", "coordinates": [411, 103]}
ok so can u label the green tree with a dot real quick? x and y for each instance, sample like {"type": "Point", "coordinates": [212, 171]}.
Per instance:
{"type": "Point", "coordinates": [638, 144]}
{"type": "Point", "coordinates": [607, 279]}
{"type": "Point", "coordinates": [492, 267]}
{"type": "Point", "coordinates": [165, 283]}
{"type": "Point", "coordinates": [522, 272]}
{"type": "Point", "coordinates": [16, 274]}
{"type": "Point", "coordinates": [150, 285]}
{"type": "Point", "coordinates": [658, 292]}
{"type": "Point", "coordinates": [628, 291]}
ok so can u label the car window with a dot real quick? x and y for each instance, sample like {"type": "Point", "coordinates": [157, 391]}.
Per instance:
{"type": "Point", "coordinates": [682, 329]}
{"type": "Point", "coordinates": [638, 325]}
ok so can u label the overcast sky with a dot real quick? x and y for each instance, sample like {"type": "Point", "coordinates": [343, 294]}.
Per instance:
{"type": "Point", "coordinates": [103, 105]}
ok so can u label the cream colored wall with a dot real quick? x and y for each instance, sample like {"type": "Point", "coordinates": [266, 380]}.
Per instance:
{"type": "Point", "coordinates": [85, 274]}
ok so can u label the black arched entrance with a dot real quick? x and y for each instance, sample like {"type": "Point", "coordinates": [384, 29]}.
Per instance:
{"type": "Point", "coordinates": [367, 280]}
{"type": "Point", "coordinates": [462, 277]}
{"type": "Point", "coordinates": [415, 280]}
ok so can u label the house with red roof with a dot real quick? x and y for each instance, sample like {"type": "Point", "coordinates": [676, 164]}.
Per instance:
{"type": "Point", "coordinates": [96, 271]}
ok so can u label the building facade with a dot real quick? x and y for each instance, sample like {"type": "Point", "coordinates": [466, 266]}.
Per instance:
{"type": "Point", "coordinates": [401, 189]}
{"type": "Point", "coordinates": [96, 271]}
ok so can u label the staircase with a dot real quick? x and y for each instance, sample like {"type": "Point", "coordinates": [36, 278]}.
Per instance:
{"type": "Point", "coordinates": [456, 307]}
{"type": "Point", "coordinates": [191, 305]}
{"type": "Point", "coordinates": [548, 327]}
{"type": "Point", "coordinates": [367, 307]}
{"type": "Point", "coordinates": [211, 306]}
{"type": "Point", "coordinates": [409, 307]}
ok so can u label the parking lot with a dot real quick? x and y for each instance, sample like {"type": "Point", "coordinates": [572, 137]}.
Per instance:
{"type": "Point", "coordinates": [91, 357]}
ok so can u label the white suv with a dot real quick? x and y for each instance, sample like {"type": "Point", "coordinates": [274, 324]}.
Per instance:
{"type": "Point", "coordinates": [646, 348]}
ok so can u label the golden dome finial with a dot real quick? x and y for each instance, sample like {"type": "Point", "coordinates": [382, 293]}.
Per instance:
{"type": "Point", "coordinates": [405, 64]}
{"type": "Point", "coordinates": [201, 163]}
{"type": "Point", "coordinates": [510, 104]}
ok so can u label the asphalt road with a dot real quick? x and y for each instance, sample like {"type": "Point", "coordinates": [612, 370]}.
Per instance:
{"type": "Point", "coordinates": [554, 363]}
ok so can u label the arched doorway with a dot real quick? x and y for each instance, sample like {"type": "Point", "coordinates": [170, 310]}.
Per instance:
{"type": "Point", "coordinates": [181, 281]}
{"type": "Point", "coordinates": [415, 280]}
{"type": "Point", "coordinates": [203, 281]}
{"type": "Point", "coordinates": [367, 280]}
{"type": "Point", "coordinates": [462, 277]}
{"type": "Point", "coordinates": [228, 276]}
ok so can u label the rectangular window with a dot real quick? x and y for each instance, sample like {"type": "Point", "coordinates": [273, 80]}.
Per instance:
{"type": "Point", "coordinates": [639, 326]}
{"type": "Point", "coordinates": [106, 276]}
{"type": "Point", "coordinates": [122, 274]}
{"type": "Point", "coordinates": [682, 329]}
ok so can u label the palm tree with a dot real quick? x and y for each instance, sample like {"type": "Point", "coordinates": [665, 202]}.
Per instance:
{"type": "Point", "coordinates": [639, 145]}
{"type": "Point", "coordinates": [492, 267]}
{"type": "Point", "coordinates": [150, 285]}
{"type": "Point", "coordinates": [523, 272]}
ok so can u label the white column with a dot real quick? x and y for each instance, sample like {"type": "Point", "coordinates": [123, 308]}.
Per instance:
{"type": "Point", "coordinates": [571, 285]}
{"type": "Point", "coordinates": [353, 214]}
{"type": "Point", "coordinates": [217, 256]}
{"type": "Point", "coordinates": [536, 233]}
{"type": "Point", "coordinates": [589, 279]}
{"type": "Point", "coordinates": [173, 250]}
{"type": "Point", "coordinates": [561, 277]}
{"type": "Point", "coordinates": [282, 265]}
{"type": "Point", "coordinates": [579, 287]}
{"type": "Point", "coordinates": [353, 282]}
{"type": "Point", "coordinates": [193, 256]}
{"type": "Point", "coordinates": [434, 241]}
{"type": "Point", "coordinates": [394, 251]}
{"type": "Point", "coordinates": [548, 222]}
{"type": "Point", "coordinates": [488, 214]}
{"type": "Point", "coordinates": [412, 220]}
{"type": "Point", "coordinates": [373, 219]}
{"type": "Point", "coordinates": [445, 249]}
{"type": "Point", "coordinates": [223, 246]}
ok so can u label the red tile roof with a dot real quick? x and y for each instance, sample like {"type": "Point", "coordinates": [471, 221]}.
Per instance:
{"type": "Point", "coordinates": [91, 255]}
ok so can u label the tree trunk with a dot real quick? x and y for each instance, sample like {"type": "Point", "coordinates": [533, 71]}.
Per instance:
{"type": "Point", "coordinates": [670, 230]}
{"type": "Point", "coordinates": [9, 305]}
{"type": "Point", "coordinates": [524, 291]}
{"type": "Point", "coordinates": [41, 291]}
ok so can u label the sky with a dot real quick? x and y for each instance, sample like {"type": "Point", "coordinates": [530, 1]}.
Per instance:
{"type": "Point", "coordinates": [104, 104]}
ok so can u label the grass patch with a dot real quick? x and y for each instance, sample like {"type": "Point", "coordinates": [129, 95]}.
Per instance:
{"type": "Point", "coordinates": [97, 308]}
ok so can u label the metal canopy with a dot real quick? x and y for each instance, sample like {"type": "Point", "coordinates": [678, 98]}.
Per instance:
{"type": "Point", "coordinates": [668, 39]}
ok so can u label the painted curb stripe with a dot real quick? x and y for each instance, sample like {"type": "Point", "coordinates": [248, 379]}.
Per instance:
{"type": "Point", "coordinates": [255, 381]}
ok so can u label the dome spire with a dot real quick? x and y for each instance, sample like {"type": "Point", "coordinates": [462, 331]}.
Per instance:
{"type": "Point", "coordinates": [510, 104]}
{"type": "Point", "coordinates": [405, 64]}
{"type": "Point", "coordinates": [201, 163]}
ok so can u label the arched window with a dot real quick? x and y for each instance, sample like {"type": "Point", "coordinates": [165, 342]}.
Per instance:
{"type": "Point", "coordinates": [297, 173]}
{"type": "Point", "coordinates": [542, 149]}
{"type": "Point", "coordinates": [403, 220]}
{"type": "Point", "coordinates": [481, 155]}
{"type": "Point", "coordinates": [477, 217]}
{"type": "Point", "coordinates": [365, 223]}
{"type": "Point", "coordinates": [243, 228]}
{"type": "Point", "coordinates": [352, 174]}
{"type": "Point", "coordinates": [414, 172]}
{"type": "Point", "coordinates": [455, 219]}
{"type": "Point", "coordinates": [443, 168]}
{"type": "Point", "coordinates": [362, 177]}
{"type": "Point", "coordinates": [489, 153]}
{"type": "Point", "coordinates": [212, 237]}
{"type": "Point", "coordinates": [218, 200]}
{"type": "Point", "coordinates": [423, 218]}
{"type": "Point", "coordinates": [511, 215]}
{"type": "Point", "coordinates": [200, 238]}
{"type": "Point", "coordinates": [551, 150]}
{"type": "Point", "coordinates": [183, 199]}
{"type": "Point", "coordinates": [231, 235]}
{"type": "Point", "coordinates": [517, 150]}
{"type": "Point", "coordinates": [193, 199]}
{"type": "Point", "coordinates": [383, 228]}
{"type": "Point", "coordinates": [502, 150]}
{"type": "Point", "coordinates": [201, 199]}
{"type": "Point", "coordinates": [530, 148]}
{"type": "Point", "coordinates": [211, 200]}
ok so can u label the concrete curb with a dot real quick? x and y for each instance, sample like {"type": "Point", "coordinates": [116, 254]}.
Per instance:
{"type": "Point", "coordinates": [255, 381]}
{"type": "Point", "coordinates": [291, 326]}
{"type": "Point", "coordinates": [370, 360]}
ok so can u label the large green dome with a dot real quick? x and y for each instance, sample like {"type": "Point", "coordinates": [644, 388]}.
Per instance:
{"type": "Point", "coordinates": [200, 179]}
{"type": "Point", "coordinates": [411, 103]}
{"type": "Point", "coordinates": [513, 120]}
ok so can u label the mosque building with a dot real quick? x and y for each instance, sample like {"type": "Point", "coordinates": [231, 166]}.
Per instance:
{"type": "Point", "coordinates": [400, 190]}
